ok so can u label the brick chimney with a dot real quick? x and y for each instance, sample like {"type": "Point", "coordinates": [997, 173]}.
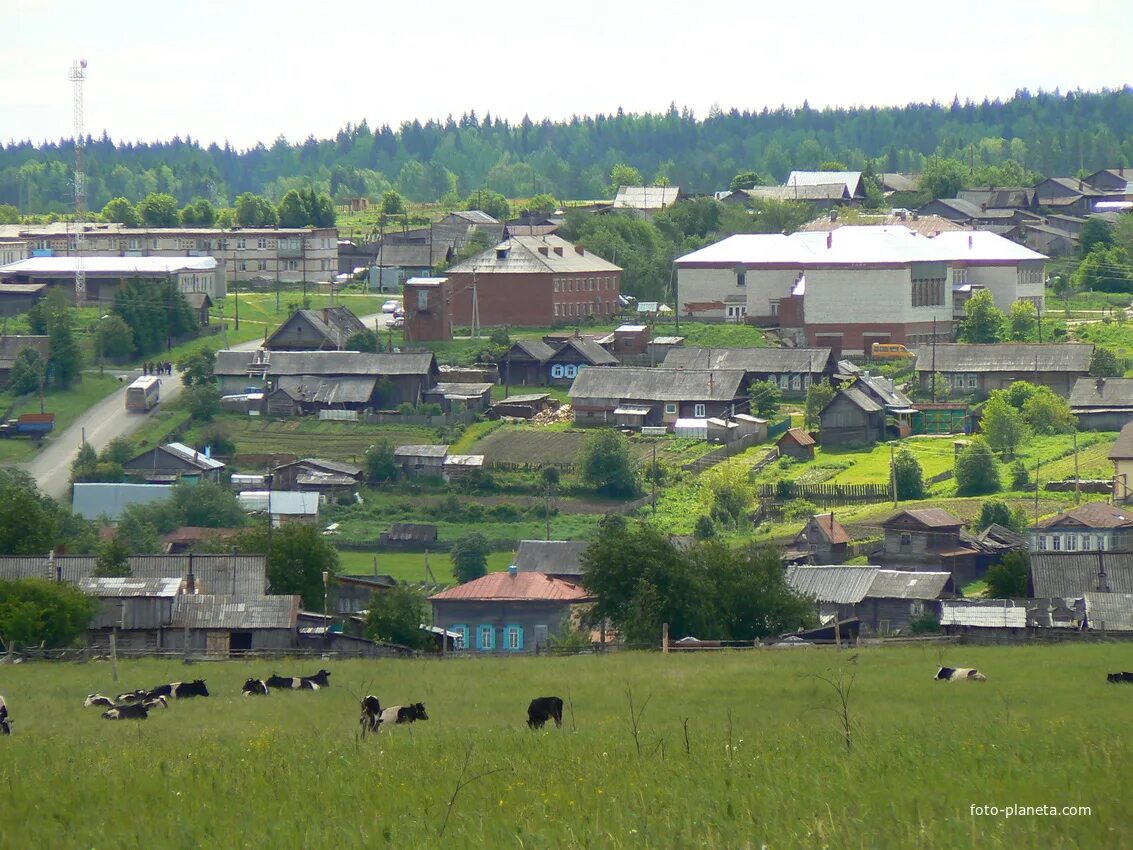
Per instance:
{"type": "Point", "coordinates": [578, 249]}
{"type": "Point", "coordinates": [830, 239]}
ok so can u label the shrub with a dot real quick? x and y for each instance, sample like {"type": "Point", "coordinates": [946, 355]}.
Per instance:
{"type": "Point", "coordinates": [799, 509]}
{"type": "Point", "coordinates": [924, 625]}
{"type": "Point", "coordinates": [976, 470]}
{"type": "Point", "coordinates": [909, 475]}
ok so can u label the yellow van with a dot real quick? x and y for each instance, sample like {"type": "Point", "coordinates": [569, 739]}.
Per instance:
{"type": "Point", "coordinates": [889, 351]}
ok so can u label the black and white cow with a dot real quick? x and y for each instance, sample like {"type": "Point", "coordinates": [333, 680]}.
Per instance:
{"type": "Point", "coordinates": [131, 697]}
{"type": "Point", "coordinates": [99, 700]}
{"type": "Point", "coordinates": [959, 674]}
{"type": "Point", "coordinates": [180, 690]}
{"type": "Point", "coordinates": [1116, 678]}
{"type": "Point", "coordinates": [371, 719]}
{"type": "Point", "coordinates": [543, 709]}
{"type": "Point", "coordinates": [129, 711]}
{"type": "Point", "coordinates": [255, 687]}
{"type": "Point", "coordinates": [155, 702]}
{"type": "Point", "coordinates": [404, 713]}
{"type": "Point", "coordinates": [5, 720]}
{"type": "Point", "coordinates": [292, 683]}
{"type": "Point", "coordinates": [322, 678]}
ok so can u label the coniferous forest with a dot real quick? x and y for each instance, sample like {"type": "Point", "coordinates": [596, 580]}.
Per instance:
{"type": "Point", "coordinates": [1028, 136]}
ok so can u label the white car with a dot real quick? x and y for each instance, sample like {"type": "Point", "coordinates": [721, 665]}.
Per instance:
{"type": "Point", "coordinates": [391, 306]}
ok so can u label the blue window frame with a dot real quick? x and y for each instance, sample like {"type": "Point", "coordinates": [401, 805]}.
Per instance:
{"type": "Point", "coordinates": [486, 638]}
{"type": "Point", "coordinates": [463, 629]}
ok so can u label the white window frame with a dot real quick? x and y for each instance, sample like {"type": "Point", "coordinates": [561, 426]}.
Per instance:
{"type": "Point", "coordinates": [670, 408]}
{"type": "Point", "coordinates": [489, 644]}
{"type": "Point", "coordinates": [512, 638]}
{"type": "Point", "coordinates": [698, 410]}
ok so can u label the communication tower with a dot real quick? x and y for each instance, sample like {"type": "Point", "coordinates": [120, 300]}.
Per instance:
{"type": "Point", "coordinates": [77, 74]}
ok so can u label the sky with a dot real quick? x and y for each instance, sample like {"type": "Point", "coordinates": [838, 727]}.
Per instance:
{"type": "Point", "coordinates": [245, 71]}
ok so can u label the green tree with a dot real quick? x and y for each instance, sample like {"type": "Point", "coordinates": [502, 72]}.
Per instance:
{"type": "Point", "coordinates": [293, 210]}
{"type": "Point", "coordinates": [543, 204]}
{"type": "Point", "coordinates": [1103, 363]}
{"type": "Point", "coordinates": [1095, 231]}
{"type": "Point", "coordinates": [27, 373]}
{"type": "Point", "coordinates": [996, 512]}
{"type": "Point", "coordinates": [745, 180]}
{"type": "Point", "coordinates": [197, 368]}
{"type": "Point", "coordinates": [380, 463]}
{"type": "Point", "coordinates": [364, 340]}
{"type": "Point", "coordinates": [1022, 321]}
{"type": "Point", "coordinates": [1003, 425]}
{"type": "Point", "coordinates": [298, 558]}
{"type": "Point", "coordinates": [984, 321]}
{"type": "Point", "coordinates": [1009, 578]}
{"type": "Point", "coordinates": [493, 203]}
{"type": "Point", "coordinates": [9, 214]}
{"type": "Point", "coordinates": [1104, 270]}
{"type": "Point", "coordinates": [255, 211]}
{"type": "Point", "coordinates": [607, 465]}
{"type": "Point", "coordinates": [624, 175]}
{"type": "Point", "coordinates": [817, 397]}
{"type": "Point", "coordinates": [121, 211]}
{"type": "Point", "coordinates": [119, 451]}
{"type": "Point", "coordinates": [977, 473]}
{"type": "Point", "coordinates": [137, 532]}
{"type": "Point", "coordinates": [202, 401]}
{"type": "Point", "coordinates": [159, 209]}
{"type": "Point", "coordinates": [1046, 412]}
{"type": "Point", "coordinates": [395, 616]}
{"type": "Point", "coordinates": [393, 203]}
{"type": "Point", "coordinates": [66, 356]}
{"type": "Point", "coordinates": [942, 177]}
{"type": "Point", "coordinates": [29, 521]}
{"type": "Point", "coordinates": [909, 475]}
{"type": "Point", "coordinates": [115, 337]}
{"type": "Point", "coordinates": [205, 504]}
{"type": "Point", "coordinates": [469, 556]}
{"type": "Point", "coordinates": [775, 216]}
{"type": "Point", "coordinates": [37, 612]}
{"type": "Point", "coordinates": [765, 398]}
{"type": "Point", "coordinates": [113, 559]}
{"type": "Point", "coordinates": [199, 213]}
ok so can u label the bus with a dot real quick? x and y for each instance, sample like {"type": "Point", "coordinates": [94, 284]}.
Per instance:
{"type": "Point", "coordinates": [144, 394]}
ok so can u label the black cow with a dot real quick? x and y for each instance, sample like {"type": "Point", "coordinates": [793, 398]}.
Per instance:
{"type": "Point", "coordinates": [5, 720]}
{"type": "Point", "coordinates": [180, 690]}
{"type": "Point", "coordinates": [959, 674]}
{"type": "Point", "coordinates": [543, 709]}
{"type": "Point", "coordinates": [255, 687]}
{"type": "Point", "coordinates": [1115, 678]}
{"type": "Point", "coordinates": [404, 713]}
{"type": "Point", "coordinates": [99, 700]}
{"type": "Point", "coordinates": [322, 678]}
{"type": "Point", "coordinates": [129, 711]}
{"type": "Point", "coordinates": [371, 719]}
{"type": "Point", "coordinates": [292, 683]}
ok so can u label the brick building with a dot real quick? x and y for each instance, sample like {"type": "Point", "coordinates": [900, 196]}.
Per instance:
{"type": "Point", "coordinates": [427, 311]}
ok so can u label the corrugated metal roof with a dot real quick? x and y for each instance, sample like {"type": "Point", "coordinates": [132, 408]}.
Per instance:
{"type": "Point", "coordinates": [646, 197]}
{"type": "Point", "coordinates": [1006, 357]}
{"type": "Point", "coordinates": [901, 584]}
{"type": "Point", "coordinates": [283, 502]}
{"type": "Point", "coordinates": [130, 586]}
{"type": "Point", "coordinates": [191, 455]}
{"type": "Point", "coordinates": [237, 574]}
{"type": "Point", "coordinates": [1091, 515]}
{"type": "Point", "coordinates": [798, 436]}
{"type": "Point", "coordinates": [551, 556]}
{"type": "Point", "coordinates": [1071, 574]}
{"type": "Point", "coordinates": [116, 266]}
{"type": "Point", "coordinates": [991, 614]}
{"type": "Point", "coordinates": [365, 364]}
{"type": "Point", "coordinates": [235, 612]}
{"type": "Point", "coordinates": [316, 389]}
{"type": "Point", "coordinates": [1109, 611]}
{"type": "Point", "coordinates": [841, 585]}
{"type": "Point", "coordinates": [645, 384]}
{"type": "Point", "coordinates": [1102, 392]}
{"type": "Point", "coordinates": [520, 587]}
{"type": "Point", "coordinates": [776, 360]}
{"type": "Point", "coordinates": [420, 451]}
{"type": "Point", "coordinates": [91, 501]}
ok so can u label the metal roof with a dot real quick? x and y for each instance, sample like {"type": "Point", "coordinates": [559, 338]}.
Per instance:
{"type": "Point", "coordinates": [998, 613]}
{"type": "Point", "coordinates": [841, 585]}
{"type": "Point", "coordinates": [283, 502]}
{"type": "Point", "coordinates": [1071, 574]}
{"type": "Point", "coordinates": [1122, 447]}
{"type": "Point", "coordinates": [519, 587]}
{"type": "Point", "coordinates": [277, 363]}
{"type": "Point", "coordinates": [319, 389]}
{"type": "Point", "coordinates": [236, 574]}
{"type": "Point", "coordinates": [551, 556]}
{"type": "Point", "coordinates": [130, 586]}
{"type": "Point", "coordinates": [1108, 393]}
{"type": "Point", "coordinates": [646, 197]}
{"type": "Point", "coordinates": [850, 179]}
{"type": "Point", "coordinates": [589, 349]}
{"type": "Point", "coordinates": [645, 384]}
{"type": "Point", "coordinates": [778, 360]}
{"type": "Point", "coordinates": [798, 436]}
{"type": "Point", "coordinates": [830, 529]}
{"type": "Point", "coordinates": [96, 266]}
{"type": "Point", "coordinates": [91, 501]}
{"type": "Point", "coordinates": [1109, 611]}
{"type": "Point", "coordinates": [1091, 515]}
{"type": "Point", "coordinates": [323, 465]}
{"type": "Point", "coordinates": [900, 584]}
{"type": "Point", "coordinates": [420, 451]}
{"type": "Point", "coordinates": [1006, 357]}
{"type": "Point", "coordinates": [859, 399]}
{"type": "Point", "coordinates": [235, 612]}
{"type": "Point", "coordinates": [536, 349]}
{"type": "Point", "coordinates": [524, 255]}
{"type": "Point", "coordinates": [334, 326]}
{"type": "Point", "coordinates": [816, 192]}
{"type": "Point", "coordinates": [982, 246]}
{"type": "Point", "coordinates": [467, 461]}
{"type": "Point", "coordinates": [191, 455]}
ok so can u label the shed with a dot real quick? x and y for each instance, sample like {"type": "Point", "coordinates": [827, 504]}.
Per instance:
{"type": "Point", "coordinates": [284, 505]}
{"type": "Point", "coordinates": [796, 443]}
{"type": "Point", "coordinates": [409, 535]}
{"type": "Point", "coordinates": [851, 418]}
{"type": "Point", "coordinates": [963, 614]}
{"type": "Point", "coordinates": [138, 609]}
{"type": "Point", "coordinates": [174, 460]}
{"type": "Point", "coordinates": [458, 466]}
{"type": "Point", "coordinates": [223, 625]}
{"type": "Point", "coordinates": [421, 461]}
{"type": "Point", "coordinates": [1102, 404]}
{"type": "Point", "coordinates": [883, 600]}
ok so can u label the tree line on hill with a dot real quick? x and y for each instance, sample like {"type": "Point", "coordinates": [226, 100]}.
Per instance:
{"type": "Point", "coordinates": [1048, 133]}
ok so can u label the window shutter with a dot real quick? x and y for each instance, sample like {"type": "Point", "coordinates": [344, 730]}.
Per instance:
{"type": "Point", "coordinates": [519, 646]}
{"type": "Point", "coordinates": [557, 371]}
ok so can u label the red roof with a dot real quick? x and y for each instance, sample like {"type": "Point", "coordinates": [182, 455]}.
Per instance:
{"type": "Point", "coordinates": [528, 587]}
{"type": "Point", "coordinates": [830, 528]}
{"type": "Point", "coordinates": [799, 436]}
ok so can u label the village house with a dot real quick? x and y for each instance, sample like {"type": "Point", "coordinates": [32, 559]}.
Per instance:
{"type": "Point", "coordinates": [646, 201]}
{"type": "Point", "coordinates": [420, 461]}
{"type": "Point", "coordinates": [852, 418]}
{"type": "Point", "coordinates": [409, 536]}
{"type": "Point", "coordinates": [792, 370]}
{"type": "Point", "coordinates": [461, 399]}
{"type": "Point", "coordinates": [1113, 181]}
{"type": "Point", "coordinates": [524, 363]}
{"type": "Point", "coordinates": [105, 275]}
{"type": "Point", "coordinates": [1121, 454]}
{"type": "Point", "coordinates": [561, 559]}
{"type": "Point", "coordinates": [823, 540]}
{"type": "Point", "coordinates": [796, 443]}
{"type": "Point", "coordinates": [221, 626]}
{"type": "Point", "coordinates": [630, 396]}
{"type": "Point", "coordinates": [199, 303]}
{"type": "Point", "coordinates": [926, 538]}
{"type": "Point", "coordinates": [533, 281]}
{"type": "Point", "coordinates": [10, 348]}
{"type": "Point", "coordinates": [883, 600]}
{"type": "Point", "coordinates": [187, 538]}
{"type": "Point", "coordinates": [18, 298]}
{"type": "Point", "coordinates": [510, 612]}
{"type": "Point", "coordinates": [574, 355]}
{"type": "Point", "coordinates": [354, 594]}
{"type": "Point", "coordinates": [138, 609]}
{"type": "Point", "coordinates": [1102, 404]}
{"type": "Point", "coordinates": [327, 329]}
{"type": "Point", "coordinates": [1067, 195]}
{"type": "Point", "coordinates": [979, 369]}
{"type": "Point", "coordinates": [1094, 526]}
{"type": "Point", "coordinates": [170, 462]}
{"type": "Point", "coordinates": [319, 475]}
{"type": "Point", "coordinates": [283, 506]}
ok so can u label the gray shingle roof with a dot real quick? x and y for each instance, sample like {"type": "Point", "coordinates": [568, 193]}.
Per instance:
{"type": "Point", "coordinates": [646, 384]}
{"type": "Point", "coordinates": [327, 362]}
{"type": "Point", "coordinates": [843, 585]}
{"type": "Point", "coordinates": [235, 612]}
{"type": "Point", "coordinates": [1006, 357]}
{"type": "Point", "coordinates": [324, 465]}
{"type": "Point", "coordinates": [536, 349]}
{"type": "Point", "coordinates": [239, 574]}
{"type": "Point", "coordinates": [333, 326]}
{"type": "Point", "coordinates": [1123, 447]}
{"type": "Point", "coordinates": [816, 192]}
{"type": "Point", "coordinates": [558, 557]}
{"type": "Point", "coordinates": [899, 584]}
{"type": "Point", "coordinates": [317, 389]}
{"type": "Point", "coordinates": [776, 360]}
{"type": "Point", "coordinates": [1109, 611]}
{"type": "Point", "coordinates": [859, 400]}
{"type": "Point", "coordinates": [588, 348]}
{"type": "Point", "coordinates": [1102, 393]}
{"type": "Point", "coordinates": [1071, 574]}
{"type": "Point", "coordinates": [883, 389]}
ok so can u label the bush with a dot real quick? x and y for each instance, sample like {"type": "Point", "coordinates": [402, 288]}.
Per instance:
{"type": "Point", "coordinates": [909, 476]}
{"type": "Point", "coordinates": [1020, 477]}
{"type": "Point", "coordinates": [705, 528]}
{"type": "Point", "coordinates": [924, 625]}
{"type": "Point", "coordinates": [976, 470]}
{"type": "Point", "coordinates": [36, 611]}
{"type": "Point", "coordinates": [799, 509]}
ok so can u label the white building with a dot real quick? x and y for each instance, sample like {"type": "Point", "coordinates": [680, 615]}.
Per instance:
{"type": "Point", "coordinates": [105, 274]}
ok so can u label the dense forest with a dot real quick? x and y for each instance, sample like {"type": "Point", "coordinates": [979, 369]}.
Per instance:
{"type": "Point", "coordinates": [1040, 134]}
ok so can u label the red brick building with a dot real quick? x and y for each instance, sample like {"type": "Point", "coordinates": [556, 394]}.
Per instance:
{"type": "Point", "coordinates": [427, 314]}
{"type": "Point", "coordinates": [533, 281]}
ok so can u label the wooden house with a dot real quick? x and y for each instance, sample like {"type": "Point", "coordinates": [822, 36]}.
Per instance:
{"type": "Point", "coordinates": [1094, 526]}
{"type": "Point", "coordinates": [420, 461]}
{"type": "Point", "coordinates": [823, 540]}
{"type": "Point", "coordinates": [560, 559]}
{"type": "Point", "coordinates": [574, 355]}
{"type": "Point", "coordinates": [634, 396]}
{"type": "Point", "coordinates": [138, 609]}
{"type": "Point", "coordinates": [932, 538]}
{"type": "Point", "coordinates": [796, 443]}
{"type": "Point", "coordinates": [980, 369]}
{"type": "Point", "coordinates": [328, 329]}
{"type": "Point", "coordinates": [851, 418]}
{"type": "Point", "coordinates": [173, 461]}
{"type": "Point", "coordinates": [412, 536]}
{"type": "Point", "coordinates": [523, 363]}
{"type": "Point", "coordinates": [353, 594]}
{"type": "Point", "coordinates": [792, 370]}
{"type": "Point", "coordinates": [319, 475]}
{"type": "Point", "coordinates": [1122, 456]}
{"type": "Point", "coordinates": [883, 600]}
{"type": "Point", "coordinates": [1102, 404]}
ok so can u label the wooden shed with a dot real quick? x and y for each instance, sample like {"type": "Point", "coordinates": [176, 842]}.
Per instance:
{"type": "Point", "coordinates": [223, 625]}
{"type": "Point", "coordinates": [796, 443]}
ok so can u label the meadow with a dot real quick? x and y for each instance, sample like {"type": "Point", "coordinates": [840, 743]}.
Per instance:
{"type": "Point", "coordinates": [732, 750]}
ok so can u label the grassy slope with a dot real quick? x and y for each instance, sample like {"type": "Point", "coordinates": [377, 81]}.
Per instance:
{"type": "Point", "coordinates": [410, 566]}
{"type": "Point", "coordinates": [765, 764]}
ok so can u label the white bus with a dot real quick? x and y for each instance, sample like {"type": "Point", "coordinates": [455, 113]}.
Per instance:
{"type": "Point", "coordinates": [144, 394]}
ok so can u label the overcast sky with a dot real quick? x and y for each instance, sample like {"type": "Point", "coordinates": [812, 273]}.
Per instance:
{"type": "Point", "coordinates": [250, 71]}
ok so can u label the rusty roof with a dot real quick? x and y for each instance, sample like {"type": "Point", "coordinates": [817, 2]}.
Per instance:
{"type": "Point", "coordinates": [930, 517]}
{"type": "Point", "coordinates": [1091, 515]}
{"type": "Point", "coordinates": [832, 530]}
{"type": "Point", "coordinates": [517, 587]}
{"type": "Point", "coordinates": [798, 436]}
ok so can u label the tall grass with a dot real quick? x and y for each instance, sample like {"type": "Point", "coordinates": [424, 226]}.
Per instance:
{"type": "Point", "coordinates": [765, 763]}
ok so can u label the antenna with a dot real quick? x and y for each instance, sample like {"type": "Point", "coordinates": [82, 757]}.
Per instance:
{"type": "Point", "coordinates": [77, 74]}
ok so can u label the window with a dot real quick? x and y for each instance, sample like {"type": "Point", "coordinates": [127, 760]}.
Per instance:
{"type": "Point", "coordinates": [1071, 542]}
{"type": "Point", "coordinates": [928, 292]}
{"type": "Point", "coordinates": [290, 265]}
{"type": "Point", "coordinates": [134, 244]}
{"type": "Point", "coordinates": [570, 370]}
{"type": "Point", "coordinates": [741, 277]}
{"type": "Point", "coordinates": [670, 408]}
{"type": "Point", "coordinates": [243, 265]}
{"type": "Point", "coordinates": [557, 370]}
{"type": "Point", "coordinates": [1042, 542]}
{"type": "Point", "coordinates": [514, 637]}
{"type": "Point", "coordinates": [737, 312]}
{"type": "Point", "coordinates": [796, 382]}
{"type": "Point", "coordinates": [1056, 539]}
{"type": "Point", "coordinates": [906, 539]}
{"type": "Point", "coordinates": [241, 244]}
{"type": "Point", "coordinates": [1086, 542]}
{"type": "Point", "coordinates": [263, 264]}
{"type": "Point", "coordinates": [558, 284]}
{"type": "Point", "coordinates": [557, 307]}
{"type": "Point", "coordinates": [973, 380]}
{"type": "Point", "coordinates": [698, 411]}
{"type": "Point", "coordinates": [261, 243]}
{"type": "Point", "coordinates": [462, 641]}
{"type": "Point", "coordinates": [485, 638]}
{"type": "Point", "coordinates": [1102, 542]}
{"type": "Point", "coordinates": [784, 381]}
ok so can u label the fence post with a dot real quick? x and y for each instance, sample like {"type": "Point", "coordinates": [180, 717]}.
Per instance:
{"type": "Point", "coordinates": [665, 638]}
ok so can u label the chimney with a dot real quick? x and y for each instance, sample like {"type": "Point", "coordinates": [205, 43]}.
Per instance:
{"type": "Point", "coordinates": [830, 239]}
{"type": "Point", "coordinates": [578, 249]}
{"type": "Point", "coordinates": [559, 250]}
{"type": "Point", "coordinates": [513, 571]}
{"type": "Point", "coordinates": [543, 250]}
{"type": "Point", "coordinates": [971, 240]}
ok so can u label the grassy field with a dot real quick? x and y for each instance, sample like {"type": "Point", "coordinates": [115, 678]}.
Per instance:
{"type": "Point", "coordinates": [734, 750]}
{"type": "Point", "coordinates": [410, 566]}
{"type": "Point", "coordinates": [67, 405]}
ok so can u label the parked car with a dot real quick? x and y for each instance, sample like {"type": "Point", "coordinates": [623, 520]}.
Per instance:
{"type": "Point", "coordinates": [397, 323]}
{"type": "Point", "coordinates": [391, 306]}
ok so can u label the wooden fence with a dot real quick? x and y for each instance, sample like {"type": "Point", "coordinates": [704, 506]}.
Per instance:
{"type": "Point", "coordinates": [825, 495]}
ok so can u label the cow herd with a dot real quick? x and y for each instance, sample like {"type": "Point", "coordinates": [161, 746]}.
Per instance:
{"type": "Point", "coordinates": [136, 705]}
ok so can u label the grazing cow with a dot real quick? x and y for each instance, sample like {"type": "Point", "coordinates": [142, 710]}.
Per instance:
{"type": "Point", "coordinates": [129, 711]}
{"type": "Point", "coordinates": [5, 720]}
{"type": "Point", "coordinates": [291, 683]}
{"type": "Point", "coordinates": [99, 700]}
{"type": "Point", "coordinates": [371, 719]}
{"type": "Point", "coordinates": [543, 709]}
{"type": "Point", "coordinates": [180, 690]}
{"type": "Point", "coordinates": [156, 702]}
{"type": "Point", "coordinates": [404, 713]}
{"type": "Point", "coordinates": [255, 687]}
{"type": "Point", "coordinates": [1120, 677]}
{"type": "Point", "coordinates": [959, 674]}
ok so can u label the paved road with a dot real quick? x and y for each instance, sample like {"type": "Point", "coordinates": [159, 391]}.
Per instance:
{"type": "Point", "coordinates": [109, 419]}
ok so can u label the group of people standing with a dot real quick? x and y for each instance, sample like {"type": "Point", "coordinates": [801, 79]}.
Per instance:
{"type": "Point", "coordinates": [165, 367]}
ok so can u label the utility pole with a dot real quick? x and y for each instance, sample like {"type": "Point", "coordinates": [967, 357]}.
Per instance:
{"type": "Point", "coordinates": [934, 359]}
{"type": "Point", "coordinates": [1037, 466]}
{"type": "Point", "coordinates": [893, 471]}
{"type": "Point", "coordinates": [653, 477]}
{"type": "Point", "coordinates": [1077, 480]}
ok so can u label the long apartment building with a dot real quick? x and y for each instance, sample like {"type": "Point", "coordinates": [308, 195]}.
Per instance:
{"type": "Point", "coordinates": [268, 254]}
{"type": "Point", "coordinates": [849, 288]}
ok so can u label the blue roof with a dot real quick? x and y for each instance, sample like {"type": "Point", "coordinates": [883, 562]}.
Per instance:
{"type": "Point", "coordinates": [92, 501]}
